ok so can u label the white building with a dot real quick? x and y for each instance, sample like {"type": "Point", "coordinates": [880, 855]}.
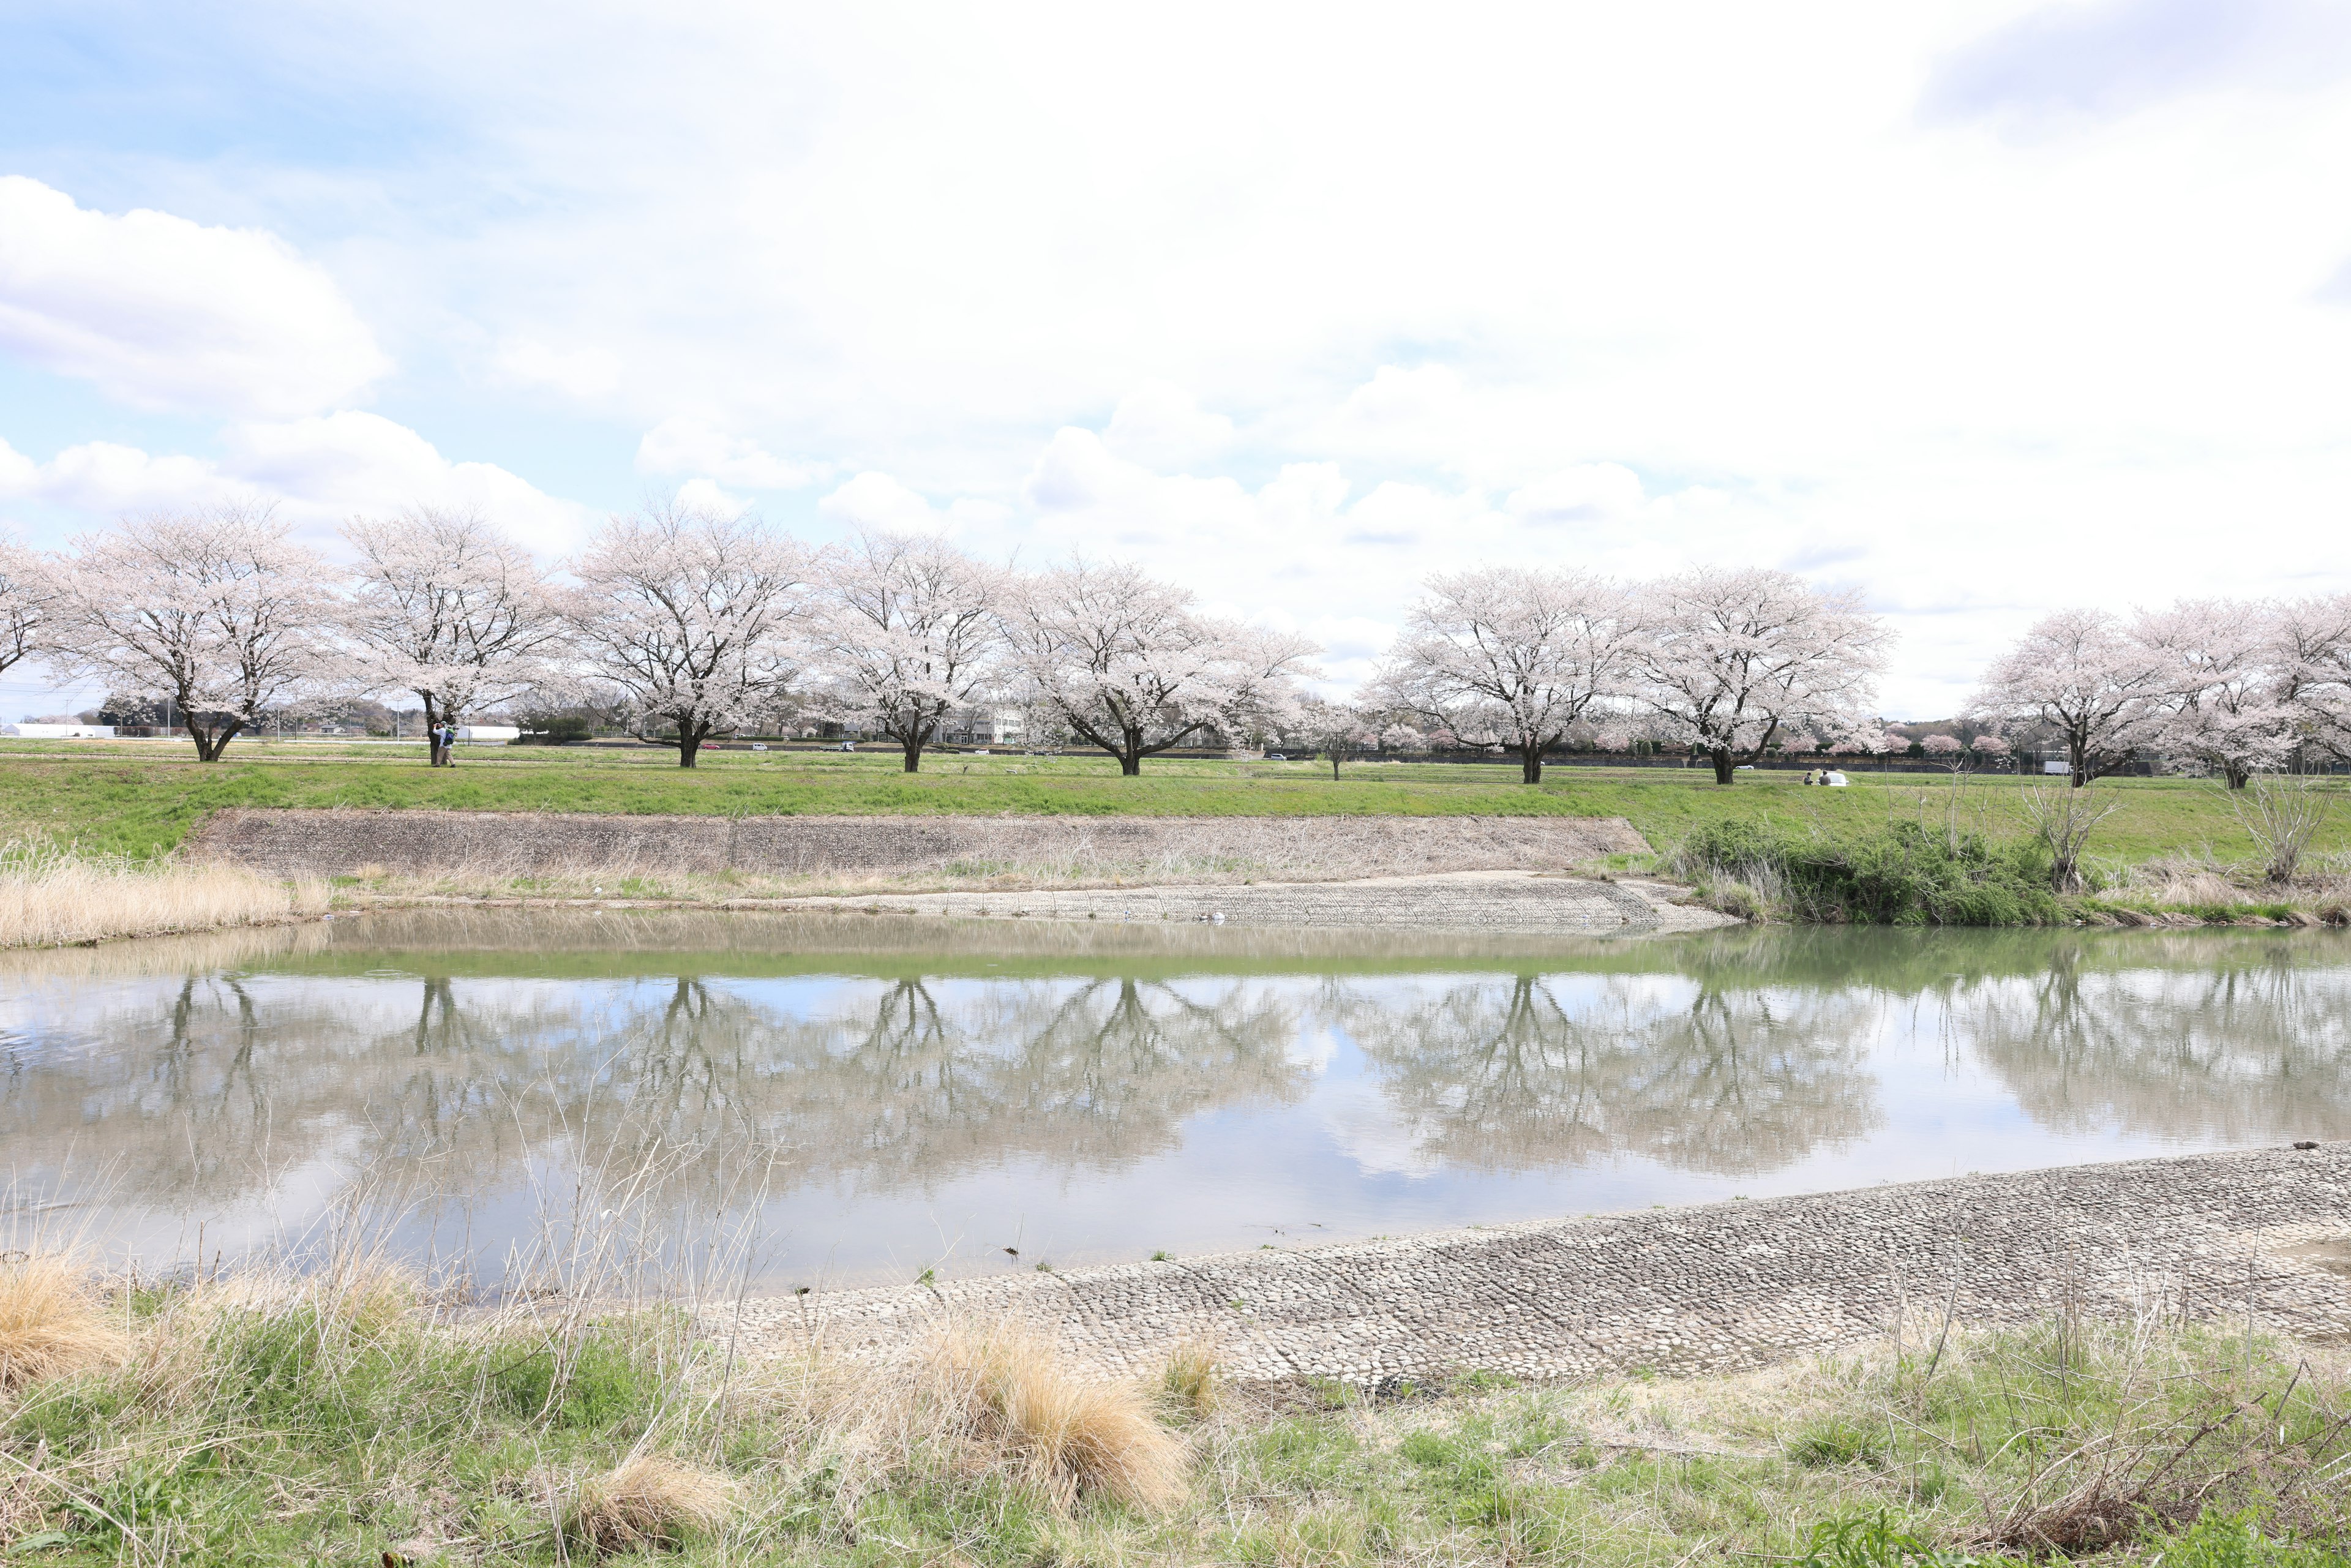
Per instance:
{"type": "Point", "coordinates": [58, 731]}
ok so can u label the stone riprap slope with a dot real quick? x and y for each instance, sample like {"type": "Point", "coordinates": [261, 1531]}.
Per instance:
{"type": "Point", "coordinates": [1713, 1288]}
{"type": "Point", "coordinates": [1065, 849]}
{"type": "Point", "coordinates": [1456, 901]}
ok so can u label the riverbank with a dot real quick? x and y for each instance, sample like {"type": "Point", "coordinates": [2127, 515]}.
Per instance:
{"type": "Point", "coordinates": [2163, 1378]}
{"type": "Point", "coordinates": [144, 798]}
{"type": "Point", "coordinates": [1715, 1288]}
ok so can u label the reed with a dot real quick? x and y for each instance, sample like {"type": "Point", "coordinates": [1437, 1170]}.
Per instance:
{"type": "Point", "coordinates": [53, 897]}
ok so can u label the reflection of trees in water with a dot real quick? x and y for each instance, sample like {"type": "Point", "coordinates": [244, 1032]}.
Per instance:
{"type": "Point", "coordinates": [1510, 1071]}
{"type": "Point", "coordinates": [2251, 1041]}
{"type": "Point", "coordinates": [449, 1087]}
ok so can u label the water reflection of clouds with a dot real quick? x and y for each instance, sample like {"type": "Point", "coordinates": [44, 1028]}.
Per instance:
{"type": "Point", "coordinates": [1750, 1058]}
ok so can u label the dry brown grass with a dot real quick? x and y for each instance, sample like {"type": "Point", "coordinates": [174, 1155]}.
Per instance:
{"type": "Point", "coordinates": [1059, 1430]}
{"type": "Point", "coordinates": [53, 1322]}
{"type": "Point", "coordinates": [49, 898]}
{"type": "Point", "coordinates": [647, 1501]}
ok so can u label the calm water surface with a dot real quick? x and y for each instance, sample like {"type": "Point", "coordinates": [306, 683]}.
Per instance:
{"type": "Point", "coordinates": [874, 1096]}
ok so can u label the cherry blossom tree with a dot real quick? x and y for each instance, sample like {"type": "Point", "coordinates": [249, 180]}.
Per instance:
{"type": "Point", "coordinates": [1333, 730]}
{"type": "Point", "coordinates": [1942, 746]}
{"type": "Point", "coordinates": [905, 632]}
{"type": "Point", "coordinates": [2079, 673]}
{"type": "Point", "coordinates": [2221, 695]}
{"type": "Point", "coordinates": [1731, 659]}
{"type": "Point", "coordinates": [1128, 664]}
{"type": "Point", "coordinates": [1509, 654]}
{"type": "Point", "coordinates": [216, 610]}
{"type": "Point", "coordinates": [2313, 652]}
{"type": "Point", "coordinates": [1991, 746]}
{"type": "Point", "coordinates": [28, 591]}
{"type": "Point", "coordinates": [693, 615]}
{"type": "Point", "coordinates": [447, 607]}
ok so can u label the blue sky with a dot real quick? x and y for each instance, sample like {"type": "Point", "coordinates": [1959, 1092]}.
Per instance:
{"type": "Point", "coordinates": [1985, 308]}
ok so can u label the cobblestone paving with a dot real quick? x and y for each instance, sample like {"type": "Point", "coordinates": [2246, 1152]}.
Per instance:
{"type": "Point", "coordinates": [1460, 901]}
{"type": "Point", "coordinates": [1712, 1288]}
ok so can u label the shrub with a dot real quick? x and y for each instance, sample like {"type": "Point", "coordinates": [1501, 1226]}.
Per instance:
{"type": "Point", "coordinates": [1907, 874]}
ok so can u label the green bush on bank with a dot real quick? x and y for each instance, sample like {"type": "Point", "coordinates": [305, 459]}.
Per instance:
{"type": "Point", "coordinates": [1906, 874]}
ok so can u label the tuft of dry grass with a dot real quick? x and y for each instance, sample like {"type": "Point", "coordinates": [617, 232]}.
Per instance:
{"type": "Point", "coordinates": [51, 897]}
{"type": "Point", "coordinates": [647, 1501]}
{"type": "Point", "coordinates": [1062, 1432]}
{"type": "Point", "coordinates": [52, 1322]}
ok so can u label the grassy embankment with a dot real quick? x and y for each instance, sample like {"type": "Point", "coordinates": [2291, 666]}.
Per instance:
{"type": "Point", "coordinates": [2173, 844]}
{"type": "Point", "coordinates": [342, 1418]}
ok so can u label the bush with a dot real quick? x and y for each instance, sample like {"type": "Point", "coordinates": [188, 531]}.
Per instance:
{"type": "Point", "coordinates": [1908, 874]}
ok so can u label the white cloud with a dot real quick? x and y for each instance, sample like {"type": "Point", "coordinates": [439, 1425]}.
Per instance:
{"type": "Point", "coordinates": [704, 494]}
{"type": "Point", "coordinates": [683, 443]}
{"type": "Point", "coordinates": [320, 471]}
{"type": "Point", "coordinates": [1586, 493]}
{"type": "Point", "coordinates": [878, 501]}
{"type": "Point", "coordinates": [163, 313]}
{"type": "Point", "coordinates": [586, 373]}
{"type": "Point", "coordinates": [1158, 425]}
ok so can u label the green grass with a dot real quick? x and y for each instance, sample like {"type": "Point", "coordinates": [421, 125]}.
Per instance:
{"type": "Point", "coordinates": [143, 797]}
{"type": "Point", "coordinates": [309, 1426]}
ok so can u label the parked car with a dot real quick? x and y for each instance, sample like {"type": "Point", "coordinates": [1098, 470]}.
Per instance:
{"type": "Point", "coordinates": [1276, 757]}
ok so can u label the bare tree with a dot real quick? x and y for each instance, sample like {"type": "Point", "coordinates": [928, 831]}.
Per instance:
{"type": "Point", "coordinates": [1128, 664]}
{"type": "Point", "coordinates": [2080, 674]}
{"type": "Point", "coordinates": [218, 610]}
{"type": "Point", "coordinates": [2063, 821]}
{"type": "Point", "coordinates": [693, 615]}
{"type": "Point", "coordinates": [447, 607]}
{"type": "Point", "coordinates": [2281, 814]}
{"type": "Point", "coordinates": [905, 631]}
{"type": "Point", "coordinates": [1733, 659]}
{"type": "Point", "coordinates": [1514, 652]}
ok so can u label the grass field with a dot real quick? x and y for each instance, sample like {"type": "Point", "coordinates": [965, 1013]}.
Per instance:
{"type": "Point", "coordinates": [141, 798]}
{"type": "Point", "coordinates": [340, 1417]}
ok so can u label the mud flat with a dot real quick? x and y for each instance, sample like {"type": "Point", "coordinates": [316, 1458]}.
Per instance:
{"type": "Point", "coordinates": [1068, 850]}
{"type": "Point", "coordinates": [1718, 1287]}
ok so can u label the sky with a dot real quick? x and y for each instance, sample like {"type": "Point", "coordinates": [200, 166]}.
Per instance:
{"type": "Point", "coordinates": [1981, 309]}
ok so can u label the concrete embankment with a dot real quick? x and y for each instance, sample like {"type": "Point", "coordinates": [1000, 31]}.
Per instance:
{"type": "Point", "coordinates": [1718, 1286]}
{"type": "Point", "coordinates": [1067, 849]}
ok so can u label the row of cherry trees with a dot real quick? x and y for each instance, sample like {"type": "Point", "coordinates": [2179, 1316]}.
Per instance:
{"type": "Point", "coordinates": [693, 622]}
{"type": "Point", "coordinates": [698, 624]}
{"type": "Point", "coordinates": [2241, 685]}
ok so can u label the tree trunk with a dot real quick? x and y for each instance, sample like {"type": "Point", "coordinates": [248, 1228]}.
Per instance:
{"type": "Point", "coordinates": [689, 742]}
{"type": "Point", "coordinates": [435, 755]}
{"type": "Point", "coordinates": [1334, 767]}
{"type": "Point", "coordinates": [1725, 770]}
{"type": "Point", "coordinates": [1531, 764]}
{"type": "Point", "coordinates": [1129, 765]}
{"type": "Point", "coordinates": [914, 749]}
{"type": "Point", "coordinates": [2238, 776]}
{"type": "Point", "coordinates": [211, 739]}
